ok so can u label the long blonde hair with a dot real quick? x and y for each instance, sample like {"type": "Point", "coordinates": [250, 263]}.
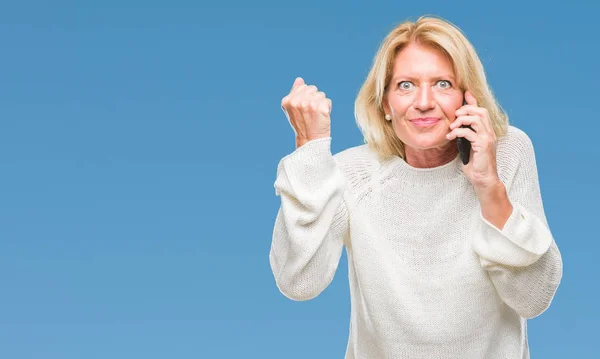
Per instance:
{"type": "Point", "coordinates": [439, 34]}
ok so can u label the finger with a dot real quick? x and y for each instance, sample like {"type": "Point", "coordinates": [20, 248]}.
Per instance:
{"type": "Point", "coordinates": [325, 106]}
{"type": "Point", "coordinates": [487, 121]}
{"type": "Point", "coordinates": [320, 94]}
{"type": "Point", "coordinates": [469, 110]}
{"type": "Point", "coordinates": [470, 98]}
{"type": "Point", "coordinates": [309, 89]}
{"type": "Point", "coordinates": [288, 103]}
{"type": "Point", "coordinates": [299, 81]}
{"type": "Point", "coordinates": [462, 132]}
{"type": "Point", "coordinates": [473, 121]}
{"type": "Point", "coordinates": [481, 113]}
{"type": "Point", "coordinates": [284, 103]}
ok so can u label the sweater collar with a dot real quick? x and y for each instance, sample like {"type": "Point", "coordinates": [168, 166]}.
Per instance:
{"type": "Point", "coordinates": [398, 168]}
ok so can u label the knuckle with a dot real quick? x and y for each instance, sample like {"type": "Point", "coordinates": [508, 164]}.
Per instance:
{"type": "Point", "coordinates": [297, 89]}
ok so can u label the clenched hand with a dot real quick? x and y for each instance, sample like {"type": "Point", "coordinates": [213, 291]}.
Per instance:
{"type": "Point", "coordinates": [308, 111]}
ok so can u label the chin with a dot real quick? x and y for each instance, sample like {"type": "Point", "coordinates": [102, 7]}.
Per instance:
{"type": "Point", "coordinates": [426, 142]}
{"type": "Point", "coordinates": [430, 146]}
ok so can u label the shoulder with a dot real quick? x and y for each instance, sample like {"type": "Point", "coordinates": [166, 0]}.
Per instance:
{"type": "Point", "coordinates": [515, 145]}
{"type": "Point", "coordinates": [357, 164]}
{"type": "Point", "coordinates": [515, 140]}
{"type": "Point", "coordinates": [360, 151]}
{"type": "Point", "coordinates": [514, 151]}
{"type": "Point", "coordinates": [356, 157]}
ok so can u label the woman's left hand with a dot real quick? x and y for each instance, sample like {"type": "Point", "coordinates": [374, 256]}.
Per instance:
{"type": "Point", "coordinates": [481, 170]}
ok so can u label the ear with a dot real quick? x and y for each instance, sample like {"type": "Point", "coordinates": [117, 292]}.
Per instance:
{"type": "Point", "coordinates": [386, 106]}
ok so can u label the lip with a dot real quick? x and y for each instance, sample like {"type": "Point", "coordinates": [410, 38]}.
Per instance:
{"type": "Point", "coordinates": [425, 121]}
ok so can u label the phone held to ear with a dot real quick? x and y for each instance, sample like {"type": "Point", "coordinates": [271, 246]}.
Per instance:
{"type": "Point", "coordinates": [464, 145]}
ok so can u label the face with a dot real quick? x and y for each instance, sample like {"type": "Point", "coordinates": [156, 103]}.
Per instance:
{"type": "Point", "coordinates": [422, 98]}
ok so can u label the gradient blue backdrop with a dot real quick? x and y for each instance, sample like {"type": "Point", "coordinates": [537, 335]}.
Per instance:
{"type": "Point", "coordinates": [138, 149]}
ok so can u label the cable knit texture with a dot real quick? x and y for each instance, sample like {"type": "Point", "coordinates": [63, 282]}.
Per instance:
{"type": "Point", "coordinates": [429, 276]}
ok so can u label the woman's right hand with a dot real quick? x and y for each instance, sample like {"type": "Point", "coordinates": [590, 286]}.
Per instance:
{"type": "Point", "coordinates": [308, 111]}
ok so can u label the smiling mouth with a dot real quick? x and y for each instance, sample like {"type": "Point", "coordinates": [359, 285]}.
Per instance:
{"type": "Point", "coordinates": [425, 122]}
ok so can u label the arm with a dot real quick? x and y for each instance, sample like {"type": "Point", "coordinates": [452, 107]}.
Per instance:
{"type": "Point", "coordinates": [520, 255]}
{"type": "Point", "coordinates": [312, 221]}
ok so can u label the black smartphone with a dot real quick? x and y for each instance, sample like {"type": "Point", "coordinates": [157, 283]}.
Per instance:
{"type": "Point", "coordinates": [464, 145]}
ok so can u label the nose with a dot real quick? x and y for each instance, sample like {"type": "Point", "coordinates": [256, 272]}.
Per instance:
{"type": "Point", "coordinates": [424, 99]}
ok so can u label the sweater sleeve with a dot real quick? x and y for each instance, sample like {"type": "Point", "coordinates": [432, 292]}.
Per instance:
{"type": "Point", "coordinates": [522, 259]}
{"type": "Point", "coordinates": [312, 221]}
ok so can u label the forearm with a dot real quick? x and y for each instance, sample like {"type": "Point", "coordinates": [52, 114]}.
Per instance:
{"type": "Point", "coordinates": [522, 260]}
{"type": "Point", "coordinates": [495, 205]}
{"type": "Point", "coordinates": [311, 223]}
{"type": "Point", "coordinates": [304, 258]}
{"type": "Point", "coordinates": [514, 242]}
{"type": "Point", "coordinates": [529, 290]}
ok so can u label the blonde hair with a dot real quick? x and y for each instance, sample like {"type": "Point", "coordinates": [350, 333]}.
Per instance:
{"type": "Point", "coordinates": [441, 35]}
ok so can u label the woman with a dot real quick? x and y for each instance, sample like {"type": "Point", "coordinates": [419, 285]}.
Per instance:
{"type": "Point", "coordinates": [446, 260]}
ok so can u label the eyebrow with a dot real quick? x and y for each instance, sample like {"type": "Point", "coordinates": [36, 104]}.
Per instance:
{"type": "Point", "coordinates": [412, 78]}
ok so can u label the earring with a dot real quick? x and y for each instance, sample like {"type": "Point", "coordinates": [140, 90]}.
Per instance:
{"type": "Point", "coordinates": [388, 118]}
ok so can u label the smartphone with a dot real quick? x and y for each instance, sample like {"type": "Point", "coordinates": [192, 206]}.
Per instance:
{"type": "Point", "coordinates": [464, 145]}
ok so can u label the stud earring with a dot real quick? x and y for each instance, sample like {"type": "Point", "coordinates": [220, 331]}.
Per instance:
{"type": "Point", "coordinates": [388, 117]}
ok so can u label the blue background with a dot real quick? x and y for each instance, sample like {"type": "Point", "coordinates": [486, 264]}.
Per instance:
{"type": "Point", "coordinates": [138, 149]}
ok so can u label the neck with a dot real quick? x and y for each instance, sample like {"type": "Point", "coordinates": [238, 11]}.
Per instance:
{"type": "Point", "coordinates": [432, 157]}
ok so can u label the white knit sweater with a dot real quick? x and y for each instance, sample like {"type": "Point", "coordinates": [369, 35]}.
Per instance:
{"type": "Point", "coordinates": [429, 276]}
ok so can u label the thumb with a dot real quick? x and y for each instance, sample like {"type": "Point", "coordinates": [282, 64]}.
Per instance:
{"type": "Point", "coordinates": [298, 82]}
{"type": "Point", "coordinates": [470, 99]}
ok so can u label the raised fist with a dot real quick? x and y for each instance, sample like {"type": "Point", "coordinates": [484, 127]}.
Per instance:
{"type": "Point", "coordinates": [308, 111]}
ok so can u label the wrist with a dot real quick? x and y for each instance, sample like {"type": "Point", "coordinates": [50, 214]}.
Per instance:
{"type": "Point", "coordinates": [489, 190]}
{"type": "Point", "coordinates": [301, 141]}
{"type": "Point", "coordinates": [495, 204]}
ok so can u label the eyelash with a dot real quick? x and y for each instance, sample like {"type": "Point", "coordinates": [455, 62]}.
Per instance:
{"type": "Point", "coordinates": [449, 83]}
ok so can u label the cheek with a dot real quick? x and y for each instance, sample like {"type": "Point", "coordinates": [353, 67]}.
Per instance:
{"type": "Point", "coordinates": [449, 107]}
{"type": "Point", "coordinates": [399, 105]}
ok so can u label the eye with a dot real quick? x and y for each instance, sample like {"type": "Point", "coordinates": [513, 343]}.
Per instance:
{"type": "Point", "coordinates": [405, 85]}
{"type": "Point", "coordinates": [444, 84]}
